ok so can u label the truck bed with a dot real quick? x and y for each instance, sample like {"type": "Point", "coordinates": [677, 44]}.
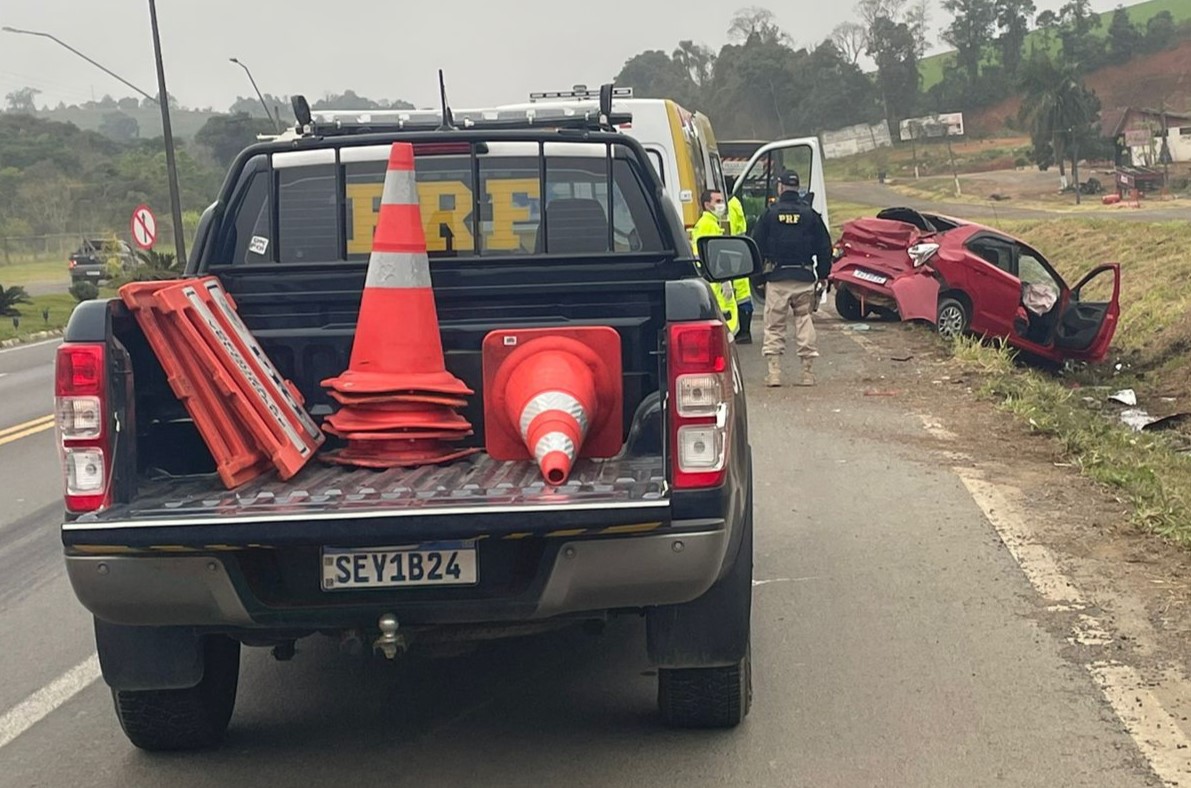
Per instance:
{"type": "Point", "coordinates": [331, 492]}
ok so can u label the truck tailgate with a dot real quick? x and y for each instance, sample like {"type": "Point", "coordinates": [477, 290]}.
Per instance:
{"type": "Point", "coordinates": [467, 499]}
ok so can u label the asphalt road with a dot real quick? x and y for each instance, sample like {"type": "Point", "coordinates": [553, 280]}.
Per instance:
{"type": "Point", "coordinates": [881, 195]}
{"type": "Point", "coordinates": [896, 642]}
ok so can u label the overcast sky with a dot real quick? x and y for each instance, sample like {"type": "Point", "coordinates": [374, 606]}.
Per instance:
{"type": "Point", "coordinates": [496, 51]}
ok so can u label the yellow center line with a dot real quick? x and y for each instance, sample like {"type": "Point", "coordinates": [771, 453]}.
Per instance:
{"type": "Point", "coordinates": [18, 431]}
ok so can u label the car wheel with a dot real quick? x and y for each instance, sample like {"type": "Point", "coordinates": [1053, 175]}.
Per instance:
{"type": "Point", "coordinates": [185, 719]}
{"type": "Point", "coordinates": [953, 319]}
{"type": "Point", "coordinates": [848, 305]}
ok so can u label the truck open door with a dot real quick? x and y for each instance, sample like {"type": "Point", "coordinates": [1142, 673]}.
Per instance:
{"type": "Point", "coordinates": [757, 185]}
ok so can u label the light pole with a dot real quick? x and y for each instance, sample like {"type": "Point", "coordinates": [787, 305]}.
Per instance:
{"type": "Point", "coordinates": [269, 115]}
{"type": "Point", "coordinates": [64, 45]}
{"type": "Point", "coordinates": [171, 165]}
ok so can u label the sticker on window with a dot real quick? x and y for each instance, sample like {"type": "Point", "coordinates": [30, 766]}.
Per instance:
{"type": "Point", "coordinates": [258, 244]}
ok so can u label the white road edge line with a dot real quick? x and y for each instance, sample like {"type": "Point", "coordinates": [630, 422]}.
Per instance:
{"type": "Point", "coordinates": [40, 704]}
{"type": "Point", "coordinates": [1154, 730]}
{"type": "Point", "coordinates": [30, 345]}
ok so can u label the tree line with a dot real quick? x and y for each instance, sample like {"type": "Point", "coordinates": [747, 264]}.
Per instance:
{"type": "Point", "coordinates": [761, 85]}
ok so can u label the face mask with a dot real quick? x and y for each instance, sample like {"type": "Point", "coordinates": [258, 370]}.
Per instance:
{"type": "Point", "coordinates": [719, 209]}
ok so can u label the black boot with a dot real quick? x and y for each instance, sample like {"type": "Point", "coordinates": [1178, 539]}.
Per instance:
{"type": "Point", "coordinates": [745, 336]}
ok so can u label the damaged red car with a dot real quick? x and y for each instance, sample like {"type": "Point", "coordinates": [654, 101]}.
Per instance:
{"type": "Point", "coordinates": [965, 277]}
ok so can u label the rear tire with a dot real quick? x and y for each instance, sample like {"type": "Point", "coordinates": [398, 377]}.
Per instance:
{"type": "Point", "coordinates": [706, 697]}
{"type": "Point", "coordinates": [848, 305]}
{"type": "Point", "coordinates": [185, 719]}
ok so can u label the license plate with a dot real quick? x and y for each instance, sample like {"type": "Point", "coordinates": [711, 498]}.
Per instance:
{"type": "Point", "coordinates": [874, 278]}
{"type": "Point", "coordinates": [435, 564]}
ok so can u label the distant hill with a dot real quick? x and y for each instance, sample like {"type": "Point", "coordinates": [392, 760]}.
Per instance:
{"type": "Point", "coordinates": [1146, 81]}
{"type": "Point", "coordinates": [931, 68]}
{"type": "Point", "coordinates": [184, 123]}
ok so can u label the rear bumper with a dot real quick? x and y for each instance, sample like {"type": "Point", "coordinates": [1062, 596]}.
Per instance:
{"type": "Point", "coordinates": [574, 576]}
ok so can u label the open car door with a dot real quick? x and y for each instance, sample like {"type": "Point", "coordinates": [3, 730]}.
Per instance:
{"type": "Point", "coordinates": [1090, 315]}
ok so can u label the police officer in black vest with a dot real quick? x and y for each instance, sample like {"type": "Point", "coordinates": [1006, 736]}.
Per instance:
{"type": "Point", "coordinates": [796, 246]}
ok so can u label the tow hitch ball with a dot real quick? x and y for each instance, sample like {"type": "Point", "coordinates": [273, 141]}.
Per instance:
{"type": "Point", "coordinates": [391, 642]}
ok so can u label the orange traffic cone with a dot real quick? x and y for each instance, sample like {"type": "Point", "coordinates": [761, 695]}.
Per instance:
{"type": "Point", "coordinates": [553, 395]}
{"type": "Point", "coordinates": [396, 396]}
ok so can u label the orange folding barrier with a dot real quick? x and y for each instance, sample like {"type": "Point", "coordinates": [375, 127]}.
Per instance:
{"type": "Point", "coordinates": [248, 415]}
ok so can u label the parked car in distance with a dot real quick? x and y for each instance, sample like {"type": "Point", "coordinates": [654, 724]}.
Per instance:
{"type": "Point", "coordinates": [966, 277]}
{"type": "Point", "coordinates": [90, 261]}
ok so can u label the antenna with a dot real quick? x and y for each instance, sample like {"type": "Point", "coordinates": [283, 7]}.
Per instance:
{"type": "Point", "coordinates": [448, 120]}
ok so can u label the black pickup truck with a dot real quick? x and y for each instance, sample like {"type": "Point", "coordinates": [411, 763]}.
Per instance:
{"type": "Point", "coordinates": [528, 227]}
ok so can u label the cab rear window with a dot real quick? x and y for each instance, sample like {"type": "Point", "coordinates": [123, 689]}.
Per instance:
{"type": "Point", "coordinates": [506, 199]}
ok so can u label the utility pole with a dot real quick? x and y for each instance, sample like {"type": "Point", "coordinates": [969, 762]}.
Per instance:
{"type": "Point", "coordinates": [1075, 163]}
{"type": "Point", "coordinates": [170, 162]}
{"type": "Point", "coordinates": [1165, 154]}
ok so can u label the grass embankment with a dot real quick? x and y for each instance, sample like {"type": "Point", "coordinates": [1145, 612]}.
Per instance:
{"type": "Point", "coordinates": [27, 271]}
{"type": "Point", "coordinates": [1153, 344]}
{"type": "Point", "coordinates": [931, 68]}
{"type": "Point", "coordinates": [971, 155]}
{"type": "Point", "coordinates": [60, 305]}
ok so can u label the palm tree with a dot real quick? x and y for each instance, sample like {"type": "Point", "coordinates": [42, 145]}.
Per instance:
{"type": "Point", "coordinates": [1059, 107]}
{"type": "Point", "coordinates": [10, 298]}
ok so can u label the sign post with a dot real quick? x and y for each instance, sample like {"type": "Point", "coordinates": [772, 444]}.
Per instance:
{"type": "Point", "coordinates": [144, 227]}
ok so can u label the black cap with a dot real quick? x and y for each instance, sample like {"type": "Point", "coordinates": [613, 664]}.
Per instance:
{"type": "Point", "coordinates": [789, 178]}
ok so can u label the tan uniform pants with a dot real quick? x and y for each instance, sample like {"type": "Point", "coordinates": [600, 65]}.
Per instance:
{"type": "Point", "coordinates": [781, 300]}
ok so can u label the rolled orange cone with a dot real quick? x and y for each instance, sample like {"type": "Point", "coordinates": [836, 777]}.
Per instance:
{"type": "Point", "coordinates": [552, 398]}
{"type": "Point", "coordinates": [553, 395]}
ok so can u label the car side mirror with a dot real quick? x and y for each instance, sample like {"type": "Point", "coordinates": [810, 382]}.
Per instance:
{"type": "Point", "coordinates": [728, 257]}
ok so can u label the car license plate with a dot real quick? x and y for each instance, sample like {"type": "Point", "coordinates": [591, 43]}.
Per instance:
{"type": "Point", "coordinates": [874, 278]}
{"type": "Point", "coordinates": [432, 564]}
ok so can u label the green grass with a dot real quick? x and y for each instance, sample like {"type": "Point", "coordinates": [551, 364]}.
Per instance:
{"type": "Point", "coordinates": [60, 306]}
{"type": "Point", "coordinates": [931, 68]}
{"type": "Point", "coordinates": [841, 211]}
{"type": "Point", "coordinates": [29, 271]}
{"type": "Point", "coordinates": [898, 161]}
{"type": "Point", "coordinates": [1141, 469]}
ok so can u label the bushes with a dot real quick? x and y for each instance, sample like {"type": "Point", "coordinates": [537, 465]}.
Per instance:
{"type": "Point", "coordinates": [84, 291]}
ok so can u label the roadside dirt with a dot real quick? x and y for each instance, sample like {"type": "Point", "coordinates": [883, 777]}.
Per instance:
{"type": "Point", "coordinates": [1139, 584]}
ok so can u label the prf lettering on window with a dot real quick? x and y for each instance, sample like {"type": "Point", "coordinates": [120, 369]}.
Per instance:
{"type": "Point", "coordinates": [447, 214]}
{"type": "Point", "coordinates": [789, 218]}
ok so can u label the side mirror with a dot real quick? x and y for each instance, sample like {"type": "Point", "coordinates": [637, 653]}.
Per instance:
{"type": "Point", "coordinates": [606, 100]}
{"type": "Point", "coordinates": [728, 257]}
{"type": "Point", "coordinates": [301, 111]}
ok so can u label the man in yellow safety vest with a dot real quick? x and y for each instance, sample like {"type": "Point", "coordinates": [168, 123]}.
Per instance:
{"type": "Point", "coordinates": [744, 291]}
{"type": "Point", "coordinates": [714, 211]}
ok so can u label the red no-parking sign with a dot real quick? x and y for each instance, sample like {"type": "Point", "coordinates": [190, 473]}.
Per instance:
{"type": "Point", "coordinates": [144, 227]}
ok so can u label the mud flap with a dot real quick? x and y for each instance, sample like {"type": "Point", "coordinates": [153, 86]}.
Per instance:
{"type": "Point", "coordinates": [713, 630]}
{"type": "Point", "coordinates": [149, 658]}
{"type": "Point", "coordinates": [917, 297]}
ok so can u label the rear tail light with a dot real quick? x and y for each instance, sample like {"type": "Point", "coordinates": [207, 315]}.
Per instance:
{"type": "Point", "coordinates": [702, 396]}
{"type": "Point", "coordinates": [80, 386]}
